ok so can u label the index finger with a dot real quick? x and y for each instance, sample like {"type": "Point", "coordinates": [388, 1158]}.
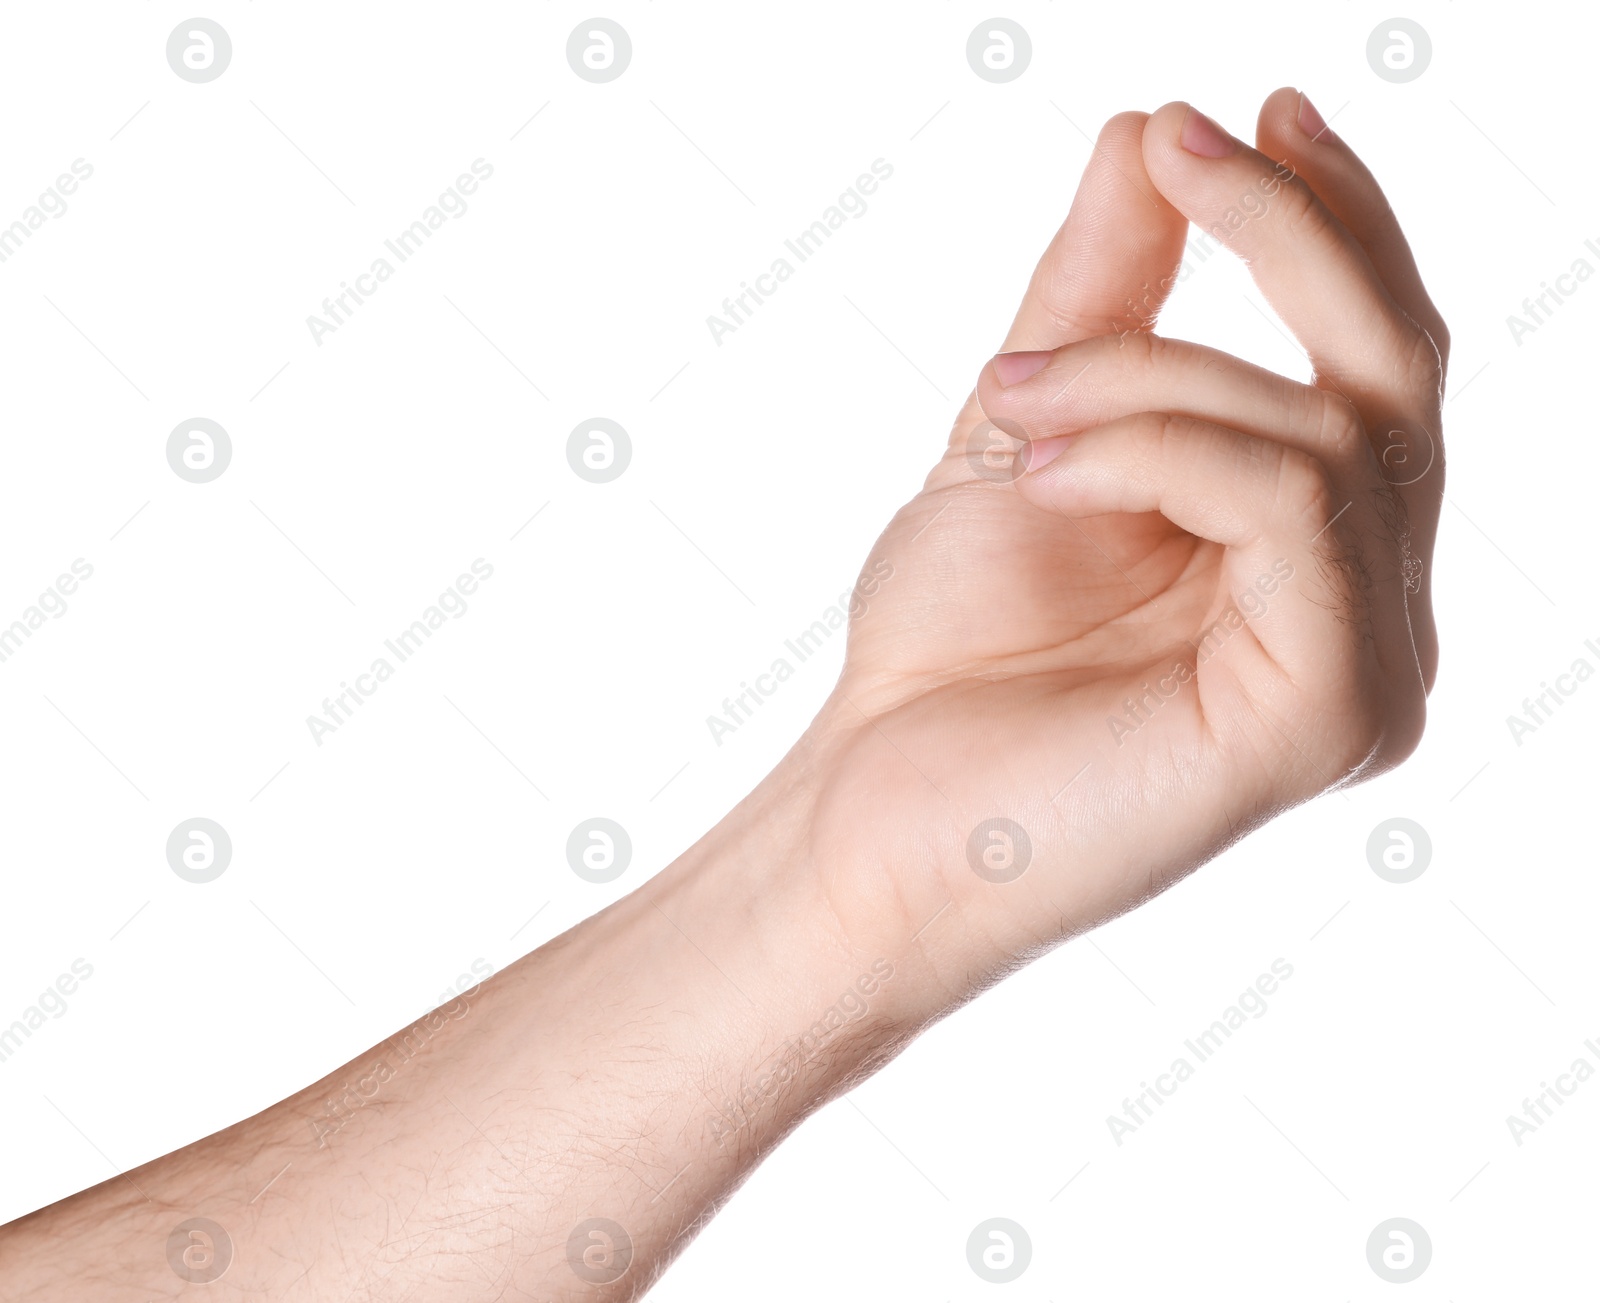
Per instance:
{"type": "Point", "coordinates": [1313, 271]}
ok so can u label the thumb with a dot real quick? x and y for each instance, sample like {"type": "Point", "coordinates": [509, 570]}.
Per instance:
{"type": "Point", "coordinates": [1110, 266]}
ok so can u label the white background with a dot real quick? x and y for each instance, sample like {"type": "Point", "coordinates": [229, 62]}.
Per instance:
{"type": "Point", "coordinates": [369, 872]}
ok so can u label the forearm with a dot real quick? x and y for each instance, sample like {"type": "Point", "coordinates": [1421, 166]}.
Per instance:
{"type": "Point", "coordinates": [634, 1069]}
{"type": "Point", "coordinates": [1075, 671]}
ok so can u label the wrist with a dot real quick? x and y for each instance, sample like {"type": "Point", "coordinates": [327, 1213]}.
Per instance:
{"type": "Point", "coordinates": [818, 998]}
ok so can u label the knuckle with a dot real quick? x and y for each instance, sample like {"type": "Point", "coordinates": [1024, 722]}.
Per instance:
{"type": "Point", "coordinates": [1423, 365]}
{"type": "Point", "coordinates": [1102, 350]}
{"type": "Point", "coordinates": [1303, 216]}
{"type": "Point", "coordinates": [1085, 383]}
{"type": "Point", "coordinates": [1146, 361]}
{"type": "Point", "coordinates": [1441, 336]}
{"type": "Point", "coordinates": [1053, 288]}
{"type": "Point", "coordinates": [1159, 351]}
{"type": "Point", "coordinates": [1303, 491]}
{"type": "Point", "coordinates": [1063, 396]}
{"type": "Point", "coordinates": [1171, 438]}
{"type": "Point", "coordinates": [1134, 347]}
{"type": "Point", "coordinates": [1152, 348]}
{"type": "Point", "coordinates": [1340, 429]}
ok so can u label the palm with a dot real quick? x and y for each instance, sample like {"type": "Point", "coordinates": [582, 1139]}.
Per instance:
{"type": "Point", "coordinates": [986, 584]}
{"type": "Point", "coordinates": [991, 658]}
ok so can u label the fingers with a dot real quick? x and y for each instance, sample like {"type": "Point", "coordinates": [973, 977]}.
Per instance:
{"type": "Point", "coordinates": [1109, 268]}
{"type": "Point", "coordinates": [1291, 129]}
{"type": "Point", "coordinates": [1112, 263]}
{"type": "Point", "coordinates": [1218, 484]}
{"type": "Point", "coordinates": [1107, 382]}
{"type": "Point", "coordinates": [1273, 507]}
{"type": "Point", "coordinates": [1098, 380]}
{"type": "Point", "coordinates": [1330, 292]}
{"type": "Point", "coordinates": [1310, 267]}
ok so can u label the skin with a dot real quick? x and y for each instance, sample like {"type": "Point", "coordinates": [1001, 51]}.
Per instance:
{"type": "Point", "coordinates": [1188, 522]}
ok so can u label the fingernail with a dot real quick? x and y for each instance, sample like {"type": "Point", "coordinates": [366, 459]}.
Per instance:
{"type": "Point", "coordinates": [1012, 368]}
{"type": "Point", "coordinates": [1041, 452]}
{"type": "Point", "coordinates": [1310, 120]}
{"type": "Point", "coordinates": [1202, 136]}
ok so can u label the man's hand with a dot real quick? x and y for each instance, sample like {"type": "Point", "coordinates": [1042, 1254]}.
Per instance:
{"type": "Point", "coordinates": [1197, 597]}
{"type": "Point", "coordinates": [1204, 601]}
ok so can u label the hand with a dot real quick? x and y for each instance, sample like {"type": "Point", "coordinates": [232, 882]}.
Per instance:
{"type": "Point", "coordinates": [1199, 596]}
{"type": "Point", "coordinates": [1236, 541]}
